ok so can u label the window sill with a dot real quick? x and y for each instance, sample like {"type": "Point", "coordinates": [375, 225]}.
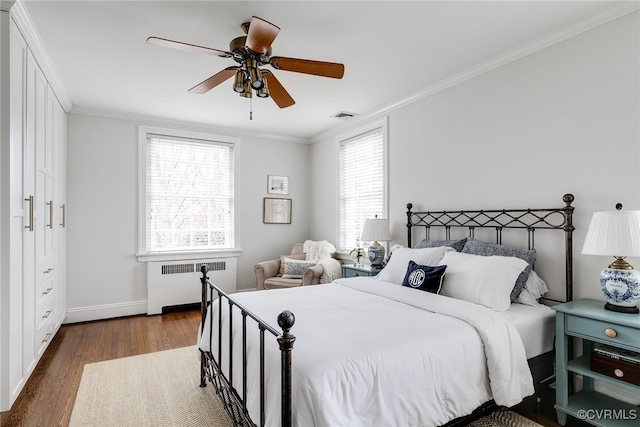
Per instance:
{"type": "Point", "coordinates": [181, 255]}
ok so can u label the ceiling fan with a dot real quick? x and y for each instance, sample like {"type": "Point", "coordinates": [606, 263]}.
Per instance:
{"type": "Point", "coordinates": [251, 52]}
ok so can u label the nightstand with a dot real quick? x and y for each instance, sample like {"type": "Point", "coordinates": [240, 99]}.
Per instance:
{"type": "Point", "coordinates": [351, 270]}
{"type": "Point", "coordinates": [587, 319]}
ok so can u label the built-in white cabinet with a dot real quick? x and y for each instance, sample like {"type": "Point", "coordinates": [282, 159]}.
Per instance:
{"type": "Point", "coordinates": [32, 212]}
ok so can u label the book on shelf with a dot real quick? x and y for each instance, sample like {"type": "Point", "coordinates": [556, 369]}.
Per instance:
{"type": "Point", "coordinates": [618, 353]}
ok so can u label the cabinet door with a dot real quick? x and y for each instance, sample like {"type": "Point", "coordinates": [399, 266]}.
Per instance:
{"type": "Point", "coordinates": [44, 181]}
{"type": "Point", "coordinates": [60, 197]}
{"type": "Point", "coordinates": [21, 239]}
{"type": "Point", "coordinates": [34, 130]}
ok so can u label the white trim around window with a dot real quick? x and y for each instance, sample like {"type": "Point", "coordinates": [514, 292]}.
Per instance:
{"type": "Point", "coordinates": [178, 135]}
{"type": "Point", "coordinates": [382, 126]}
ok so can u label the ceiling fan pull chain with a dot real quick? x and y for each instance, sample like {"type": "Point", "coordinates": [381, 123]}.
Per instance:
{"type": "Point", "coordinates": [250, 108]}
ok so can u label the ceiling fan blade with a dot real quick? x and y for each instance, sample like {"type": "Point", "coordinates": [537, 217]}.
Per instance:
{"type": "Point", "coordinates": [214, 80]}
{"type": "Point", "coordinates": [276, 91]}
{"type": "Point", "coordinates": [188, 47]}
{"type": "Point", "coordinates": [260, 35]}
{"type": "Point", "coordinates": [306, 66]}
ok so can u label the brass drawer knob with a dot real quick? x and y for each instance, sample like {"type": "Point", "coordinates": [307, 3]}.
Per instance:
{"type": "Point", "coordinates": [618, 373]}
{"type": "Point", "coordinates": [611, 333]}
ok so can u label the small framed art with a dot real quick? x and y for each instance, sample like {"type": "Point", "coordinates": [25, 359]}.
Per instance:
{"type": "Point", "coordinates": [277, 211]}
{"type": "Point", "coordinates": [277, 184]}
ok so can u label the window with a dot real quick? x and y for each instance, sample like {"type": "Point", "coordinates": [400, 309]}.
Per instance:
{"type": "Point", "coordinates": [362, 166]}
{"type": "Point", "coordinates": [187, 199]}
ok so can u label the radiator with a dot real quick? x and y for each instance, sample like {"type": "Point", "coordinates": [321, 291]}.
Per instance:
{"type": "Point", "coordinates": [171, 283]}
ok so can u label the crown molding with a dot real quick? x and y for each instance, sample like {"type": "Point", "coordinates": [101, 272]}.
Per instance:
{"type": "Point", "coordinates": [491, 64]}
{"type": "Point", "coordinates": [5, 5]}
{"type": "Point", "coordinates": [193, 126]}
{"type": "Point", "coordinates": [25, 25]}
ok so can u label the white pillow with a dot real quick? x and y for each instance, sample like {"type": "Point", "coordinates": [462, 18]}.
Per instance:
{"type": "Point", "coordinates": [533, 290]}
{"type": "Point", "coordinates": [484, 280]}
{"type": "Point", "coordinates": [396, 268]}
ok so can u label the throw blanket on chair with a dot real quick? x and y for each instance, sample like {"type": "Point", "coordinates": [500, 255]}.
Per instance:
{"type": "Point", "coordinates": [322, 251]}
{"type": "Point", "coordinates": [318, 250]}
{"type": "Point", "coordinates": [332, 270]}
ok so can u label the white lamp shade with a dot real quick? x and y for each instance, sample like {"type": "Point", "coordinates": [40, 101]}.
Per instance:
{"type": "Point", "coordinates": [375, 229]}
{"type": "Point", "coordinates": [614, 233]}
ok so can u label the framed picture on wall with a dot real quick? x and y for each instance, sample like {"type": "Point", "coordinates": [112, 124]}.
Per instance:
{"type": "Point", "coordinates": [277, 184]}
{"type": "Point", "coordinates": [277, 211]}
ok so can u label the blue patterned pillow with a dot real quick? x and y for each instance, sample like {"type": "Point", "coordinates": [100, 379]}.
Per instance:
{"type": "Point", "coordinates": [455, 244]}
{"type": "Point", "coordinates": [478, 247]}
{"type": "Point", "coordinates": [294, 269]}
{"type": "Point", "coordinates": [424, 277]}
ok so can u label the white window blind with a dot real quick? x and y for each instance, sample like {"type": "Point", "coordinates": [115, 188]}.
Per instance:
{"type": "Point", "coordinates": [361, 167]}
{"type": "Point", "coordinates": [189, 194]}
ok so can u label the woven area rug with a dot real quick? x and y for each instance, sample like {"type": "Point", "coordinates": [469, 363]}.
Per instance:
{"type": "Point", "coordinates": [504, 418]}
{"type": "Point", "coordinates": [162, 389]}
{"type": "Point", "coordinates": [156, 389]}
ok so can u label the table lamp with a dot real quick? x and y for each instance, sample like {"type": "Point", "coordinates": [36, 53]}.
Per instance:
{"type": "Point", "coordinates": [376, 229]}
{"type": "Point", "coordinates": [617, 233]}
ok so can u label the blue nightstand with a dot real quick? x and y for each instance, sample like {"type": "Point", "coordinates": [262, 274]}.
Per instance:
{"type": "Point", "coordinates": [587, 319]}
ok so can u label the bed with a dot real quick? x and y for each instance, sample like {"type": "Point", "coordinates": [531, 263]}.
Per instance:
{"type": "Point", "coordinates": [369, 351]}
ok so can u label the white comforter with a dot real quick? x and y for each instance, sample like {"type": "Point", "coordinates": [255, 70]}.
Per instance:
{"type": "Point", "coordinates": [371, 353]}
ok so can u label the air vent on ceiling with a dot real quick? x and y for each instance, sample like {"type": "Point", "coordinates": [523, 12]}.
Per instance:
{"type": "Point", "coordinates": [344, 115]}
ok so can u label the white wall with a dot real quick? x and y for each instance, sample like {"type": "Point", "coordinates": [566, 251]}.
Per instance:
{"type": "Point", "coordinates": [562, 120]}
{"type": "Point", "coordinates": [104, 275]}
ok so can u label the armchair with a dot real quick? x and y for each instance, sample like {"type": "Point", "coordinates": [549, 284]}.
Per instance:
{"type": "Point", "coordinates": [269, 273]}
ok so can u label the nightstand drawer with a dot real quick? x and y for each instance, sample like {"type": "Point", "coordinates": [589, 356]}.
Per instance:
{"type": "Point", "coordinates": [350, 272]}
{"type": "Point", "coordinates": [603, 331]}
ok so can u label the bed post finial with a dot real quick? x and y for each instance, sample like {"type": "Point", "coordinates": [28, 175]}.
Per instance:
{"type": "Point", "coordinates": [286, 320]}
{"type": "Point", "coordinates": [568, 199]}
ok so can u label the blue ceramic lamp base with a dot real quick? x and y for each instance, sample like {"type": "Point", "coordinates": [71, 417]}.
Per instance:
{"type": "Point", "coordinates": [376, 255]}
{"type": "Point", "coordinates": [621, 287]}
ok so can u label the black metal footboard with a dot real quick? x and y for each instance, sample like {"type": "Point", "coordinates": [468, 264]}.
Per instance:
{"type": "Point", "coordinates": [211, 365]}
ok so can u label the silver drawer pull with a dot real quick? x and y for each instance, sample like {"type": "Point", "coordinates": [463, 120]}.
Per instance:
{"type": "Point", "coordinates": [618, 373]}
{"type": "Point", "coordinates": [46, 291]}
{"type": "Point", "coordinates": [611, 333]}
{"type": "Point", "coordinates": [46, 337]}
{"type": "Point", "coordinates": [46, 314]}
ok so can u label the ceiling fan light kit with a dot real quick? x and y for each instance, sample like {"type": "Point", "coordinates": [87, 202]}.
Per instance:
{"type": "Point", "coordinates": [252, 52]}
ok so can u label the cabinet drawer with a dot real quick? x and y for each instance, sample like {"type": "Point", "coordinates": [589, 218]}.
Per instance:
{"type": "Point", "coordinates": [44, 310]}
{"type": "Point", "coordinates": [44, 334]}
{"type": "Point", "coordinates": [603, 331]}
{"type": "Point", "coordinates": [45, 270]}
{"type": "Point", "coordinates": [43, 290]}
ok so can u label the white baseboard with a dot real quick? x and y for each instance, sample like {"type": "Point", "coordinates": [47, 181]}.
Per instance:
{"type": "Point", "coordinates": [106, 311]}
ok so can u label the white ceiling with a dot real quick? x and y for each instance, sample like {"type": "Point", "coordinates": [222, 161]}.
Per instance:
{"type": "Point", "coordinates": [391, 50]}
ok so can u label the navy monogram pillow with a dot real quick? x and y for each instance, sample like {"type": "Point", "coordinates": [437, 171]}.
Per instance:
{"type": "Point", "coordinates": [424, 277]}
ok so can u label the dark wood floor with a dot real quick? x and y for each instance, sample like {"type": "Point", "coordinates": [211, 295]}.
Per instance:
{"type": "Point", "coordinates": [49, 395]}
{"type": "Point", "coordinates": [48, 398]}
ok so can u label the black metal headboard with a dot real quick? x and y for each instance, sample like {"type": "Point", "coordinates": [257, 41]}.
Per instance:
{"type": "Point", "coordinates": [528, 219]}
